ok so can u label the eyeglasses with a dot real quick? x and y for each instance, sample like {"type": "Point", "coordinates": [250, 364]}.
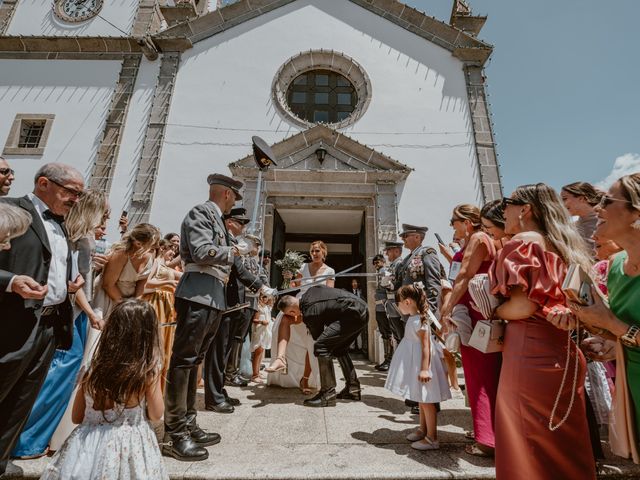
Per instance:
{"type": "Point", "coordinates": [607, 200]}
{"type": "Point", "coordinates": [70, 191]}
{"type": "Point", "coordinates": [453, 220]}
{"type": "Point", "coordinates": [511, 201]}
{"type": "Point", "coordinates": [7, 171]}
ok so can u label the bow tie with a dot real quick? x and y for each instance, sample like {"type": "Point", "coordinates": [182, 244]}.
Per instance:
{"type": "Point", "coordinates": [49, 215]}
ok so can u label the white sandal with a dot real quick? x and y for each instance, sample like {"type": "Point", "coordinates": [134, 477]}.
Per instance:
{"type": "Point", "coordinates": [426, 444]}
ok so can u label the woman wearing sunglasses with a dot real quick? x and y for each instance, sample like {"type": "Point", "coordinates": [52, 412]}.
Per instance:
{"type": "Point", "coordinates": [541, 428]}
{"type": "Point", "coordinates": [619, 220]}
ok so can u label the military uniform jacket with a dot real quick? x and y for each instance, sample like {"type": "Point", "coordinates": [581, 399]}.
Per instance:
{"type": "Point", "coordinates": [380, 294]}
{"type": "Point", "coordinates": [321, 306]}
{"type": "Point", "coordinates": [204, 241]}
{"type": "Point", "coordinates": [423, 266]}
{"type": "Point", "coordinates": [391, 292]}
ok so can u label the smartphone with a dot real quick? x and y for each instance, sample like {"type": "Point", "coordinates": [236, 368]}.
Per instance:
{"type": "Point", "coordinates": [124, 213]}
{"type": "Point", "coordinates": [440, 241]}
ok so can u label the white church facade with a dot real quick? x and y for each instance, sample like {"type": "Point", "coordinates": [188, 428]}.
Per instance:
{"type": "Point", "coordinates": [377, 112]}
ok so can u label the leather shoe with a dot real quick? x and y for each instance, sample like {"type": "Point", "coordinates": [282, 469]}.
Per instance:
{"type": "Point", "coordinates": [322, 399]}
{"type": "Point", "coordinates": [237, 381]}
{"type": "Point", "coordinates": [415, 410]}
{"type": "Point", "coordinates": [383, 367]}
{"type": "Point", "coordinates": [232, 401]}
{"type": "Point", "coordinates": [202, 438]}
{"type": "Point", "coordinates": [346, 394]}
{"type": "Point", "coordinates": [223, 407]}
{"type": "Point", "coordinates": [182, 447]}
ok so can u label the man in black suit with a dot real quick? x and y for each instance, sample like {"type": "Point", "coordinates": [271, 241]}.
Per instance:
{"type": "Point", "coordinates": [35, 311]}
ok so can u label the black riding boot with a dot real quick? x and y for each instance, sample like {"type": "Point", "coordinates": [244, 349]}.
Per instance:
{"type": "Point", "coordinates": [177, 439]}
{"type": "Point", "coordinates": [388, 354]}
{"type": "Point", "coordinates": [232, 371]}
{"type": "Point", "coordinates": [351, 390]}
{"type": "Point", "coordinates": [326, 397]}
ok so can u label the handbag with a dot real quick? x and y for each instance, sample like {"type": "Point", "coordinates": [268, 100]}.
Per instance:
{"type": "Point", "coordinates": [452, 342]}
{"type": "Point", "coordinates": [488, 336]}
{"type": "Point", "coordinates": [480, 291]}
{"type": "Point", "coordinates": [577, 285]}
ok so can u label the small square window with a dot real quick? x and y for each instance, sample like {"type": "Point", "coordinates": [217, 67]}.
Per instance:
{"type": "Point", "coordinates": [298, 97]}
{"type": "Point", "coordinates": [29, 134]}
{"type": "Point", "coordinates": [321, 116]}
{"type": "Point", "coordinates": [322, 79]}
{"type": "Point", "coordinates": [322, 98]}
{"type": "Point", "coordinates": [301, 80]}
{"type": "Point", "coordinates": [344, 99]}
{"type": "Point", "coordinates": [342, 115]}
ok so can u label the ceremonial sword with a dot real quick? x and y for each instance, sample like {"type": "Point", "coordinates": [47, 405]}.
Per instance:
{"type": "Point", "coordinates": [318, 279]}
{"type": "Point", "coordinates": [239, 306]}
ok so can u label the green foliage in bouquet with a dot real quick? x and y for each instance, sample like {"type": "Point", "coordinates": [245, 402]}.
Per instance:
{"type": "Point", "coordinates": [292, 262]}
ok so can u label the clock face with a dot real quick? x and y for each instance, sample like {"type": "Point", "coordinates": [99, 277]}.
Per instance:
{"type": "Point", "coordinates": [76, 10]}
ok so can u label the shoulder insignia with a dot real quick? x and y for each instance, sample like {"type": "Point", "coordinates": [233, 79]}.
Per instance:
{"type": "Point", "coordinates": [212, 252]}
{"type": "Point", "coordinates": [430, 251]}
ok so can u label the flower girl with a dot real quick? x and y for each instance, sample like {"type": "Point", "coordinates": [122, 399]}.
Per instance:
{"type": "Point", "coordinates": [417, 371]}
{"type": "Point", "coordinates": [114, 439]}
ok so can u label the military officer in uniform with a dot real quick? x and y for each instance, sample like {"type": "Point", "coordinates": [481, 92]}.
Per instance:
{"type": "Point", "coordinates": [393, 252]}
{"type": "Point", "coordinates": [200, 300]}
{"type": "Point", "coordinates": [384, 281]}
{"type": "Point", "coordinates": [421, 265]}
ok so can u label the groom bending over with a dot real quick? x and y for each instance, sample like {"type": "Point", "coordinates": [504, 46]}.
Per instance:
{"type": "Point", "coordinates": [334, 318]}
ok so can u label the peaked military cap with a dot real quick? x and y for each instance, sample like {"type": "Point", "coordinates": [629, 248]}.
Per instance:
{"type": "Point", "coordinates": [393, 244]}
{"type": "Point", "coordinates": [239, 214]}
{"type": "Point", "coordinates": [262, 153]}
{"type": "Point", "coordinates": [407, 229]}
{"type": "Point", "coordinates": [219, 179]}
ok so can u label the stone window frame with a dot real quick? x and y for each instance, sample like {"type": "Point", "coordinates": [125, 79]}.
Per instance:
{"type": "Point", "coordinates": [11, 145]}
{"type": "Point", "coordinates": [321, 60]}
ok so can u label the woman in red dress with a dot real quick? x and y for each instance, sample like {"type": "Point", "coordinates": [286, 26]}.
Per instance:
{"type": "Point", "coordinates": [481, 370]}
{"type": "Point", "coordinates": [541, 426]}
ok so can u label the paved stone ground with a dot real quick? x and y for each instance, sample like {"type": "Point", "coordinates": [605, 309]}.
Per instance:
{"type": "Point", "coordinates": [272, 436]}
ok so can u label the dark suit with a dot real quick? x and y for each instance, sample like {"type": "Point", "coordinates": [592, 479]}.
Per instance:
{"type": "Point", "coordinates": [28, 340]}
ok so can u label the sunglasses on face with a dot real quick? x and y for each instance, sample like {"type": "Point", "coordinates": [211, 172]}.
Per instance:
{"type": "Point", "coordinates": [70, 191]}
{"type": "Point", "coordinates": [6, 171]}
{"type": "Point", "coordinates": [454, 220]}
{"type": "Point", "coordinates": [607, 200]}
{"type": "Point", "coordinates": [511, 201]}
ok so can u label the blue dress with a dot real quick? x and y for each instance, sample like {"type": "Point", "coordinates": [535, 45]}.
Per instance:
{"type": "Point", "coordinates": [55, 394]}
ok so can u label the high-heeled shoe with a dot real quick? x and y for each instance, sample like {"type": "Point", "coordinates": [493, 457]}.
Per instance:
{"type": "Point", "coordinates": [281, 369]}
{"type": "Point", "coordinates": [304, 386]}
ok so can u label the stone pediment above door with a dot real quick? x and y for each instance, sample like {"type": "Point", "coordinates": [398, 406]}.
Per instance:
{"type": "Point", "coordinates": [344, 159]}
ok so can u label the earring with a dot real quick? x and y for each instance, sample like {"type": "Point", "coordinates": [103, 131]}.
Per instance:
{"type": "Point", "coordinates": [636, 225]}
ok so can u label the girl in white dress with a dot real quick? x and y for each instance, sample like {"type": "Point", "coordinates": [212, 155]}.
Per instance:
{"type": "Point", "coordinates": [117, 397]}
{"type": "Point", "coordinates": [417, 370]}
{"type": "Point", "coordinates": [261, 335]}
{"type": "Point", "coordinates": [295, 364]}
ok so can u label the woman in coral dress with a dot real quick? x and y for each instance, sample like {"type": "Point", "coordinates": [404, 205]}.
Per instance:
{"type": "Point", "coordinates": [481, 370]}
{"type": "Point", "coordinates": [541, 427]}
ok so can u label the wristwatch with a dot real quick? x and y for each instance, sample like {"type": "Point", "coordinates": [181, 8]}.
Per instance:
{"type": "Point", "coordinates": [629, 339]}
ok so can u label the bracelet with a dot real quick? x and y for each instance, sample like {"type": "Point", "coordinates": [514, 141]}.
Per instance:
{"type": "Point", "coordinates": [629, 339]}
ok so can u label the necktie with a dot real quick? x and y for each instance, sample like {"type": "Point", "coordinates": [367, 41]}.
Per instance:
{"type": "Point", "coordinates": [49, 215]}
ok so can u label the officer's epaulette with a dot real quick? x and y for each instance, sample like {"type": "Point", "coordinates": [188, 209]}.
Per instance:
{"type": "Point", "coordinates": [428, 251]}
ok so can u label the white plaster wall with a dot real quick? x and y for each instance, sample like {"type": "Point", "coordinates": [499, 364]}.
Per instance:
{"type": "Point", "coordinates": [36, 17]}
{"type": "Point", "coordinates": [131, 142]}
{"type": "Point", "coordinates": [77, 92]}
{"type": "Point", "coordinates": [418, 88]}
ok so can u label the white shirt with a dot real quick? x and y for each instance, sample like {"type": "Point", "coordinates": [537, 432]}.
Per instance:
{"type": "Point", "coordinates": [57, 279]}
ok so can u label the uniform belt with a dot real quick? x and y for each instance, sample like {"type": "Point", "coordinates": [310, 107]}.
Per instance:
{"type": "Point", "coordinates": [212, 270]}
{"type": "Point", "coordinates": [49, 310]}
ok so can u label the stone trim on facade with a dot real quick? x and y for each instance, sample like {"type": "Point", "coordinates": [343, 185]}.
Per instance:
{"type": "Point", "coordinates": [7, 7]}
{"type": "Point", "coordinates": [325, 60]}
{"type": "Point", "coordinates": [462, 45]}
{"type": "Point", "coordinates": [488, 167]}
{"type": "Point", "coordinates": [104, 165]}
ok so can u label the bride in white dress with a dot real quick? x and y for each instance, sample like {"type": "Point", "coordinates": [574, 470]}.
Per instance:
{"type": "Point", "coordinates": [295, 364]}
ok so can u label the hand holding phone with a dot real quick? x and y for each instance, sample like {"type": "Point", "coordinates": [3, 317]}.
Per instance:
{"type": "Point", "coordinates": [439, 238]}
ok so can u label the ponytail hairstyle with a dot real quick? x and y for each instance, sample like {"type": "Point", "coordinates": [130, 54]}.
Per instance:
{"type": "Point", "coordinates": [469, 212]}
{"type": "Point", "coordinates": [416, 293]}
{"type": "Point", "coordinates": [584, 189]}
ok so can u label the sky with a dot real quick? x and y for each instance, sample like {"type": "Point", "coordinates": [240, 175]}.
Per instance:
{"type": "Point", "coordinates": [564, 85]}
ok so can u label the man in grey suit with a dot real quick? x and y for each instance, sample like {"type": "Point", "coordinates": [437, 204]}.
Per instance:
{"type": "Point", "coordinates": [200, 301]}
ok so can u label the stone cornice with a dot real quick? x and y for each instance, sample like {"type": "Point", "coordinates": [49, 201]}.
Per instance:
{"type": "Point", "coordinates": [462, 45]}
{"type": "Point", "coordinates": [11, 45]}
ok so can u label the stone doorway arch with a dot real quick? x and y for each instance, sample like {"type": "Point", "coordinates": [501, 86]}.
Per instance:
{"type": "Point", "coordinates": [326, 195]}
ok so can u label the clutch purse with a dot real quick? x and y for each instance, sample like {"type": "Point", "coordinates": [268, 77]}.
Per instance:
{"type": "Point", "coordinates": [577, 285]}
{"type": "Point", "coordinates": [488, 336]}
{"type": "Point", "coordinates": [452, 342]}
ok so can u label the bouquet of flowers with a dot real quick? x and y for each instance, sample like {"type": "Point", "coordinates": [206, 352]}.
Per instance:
{"type": "Point", "coordinates": [291, 262]}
